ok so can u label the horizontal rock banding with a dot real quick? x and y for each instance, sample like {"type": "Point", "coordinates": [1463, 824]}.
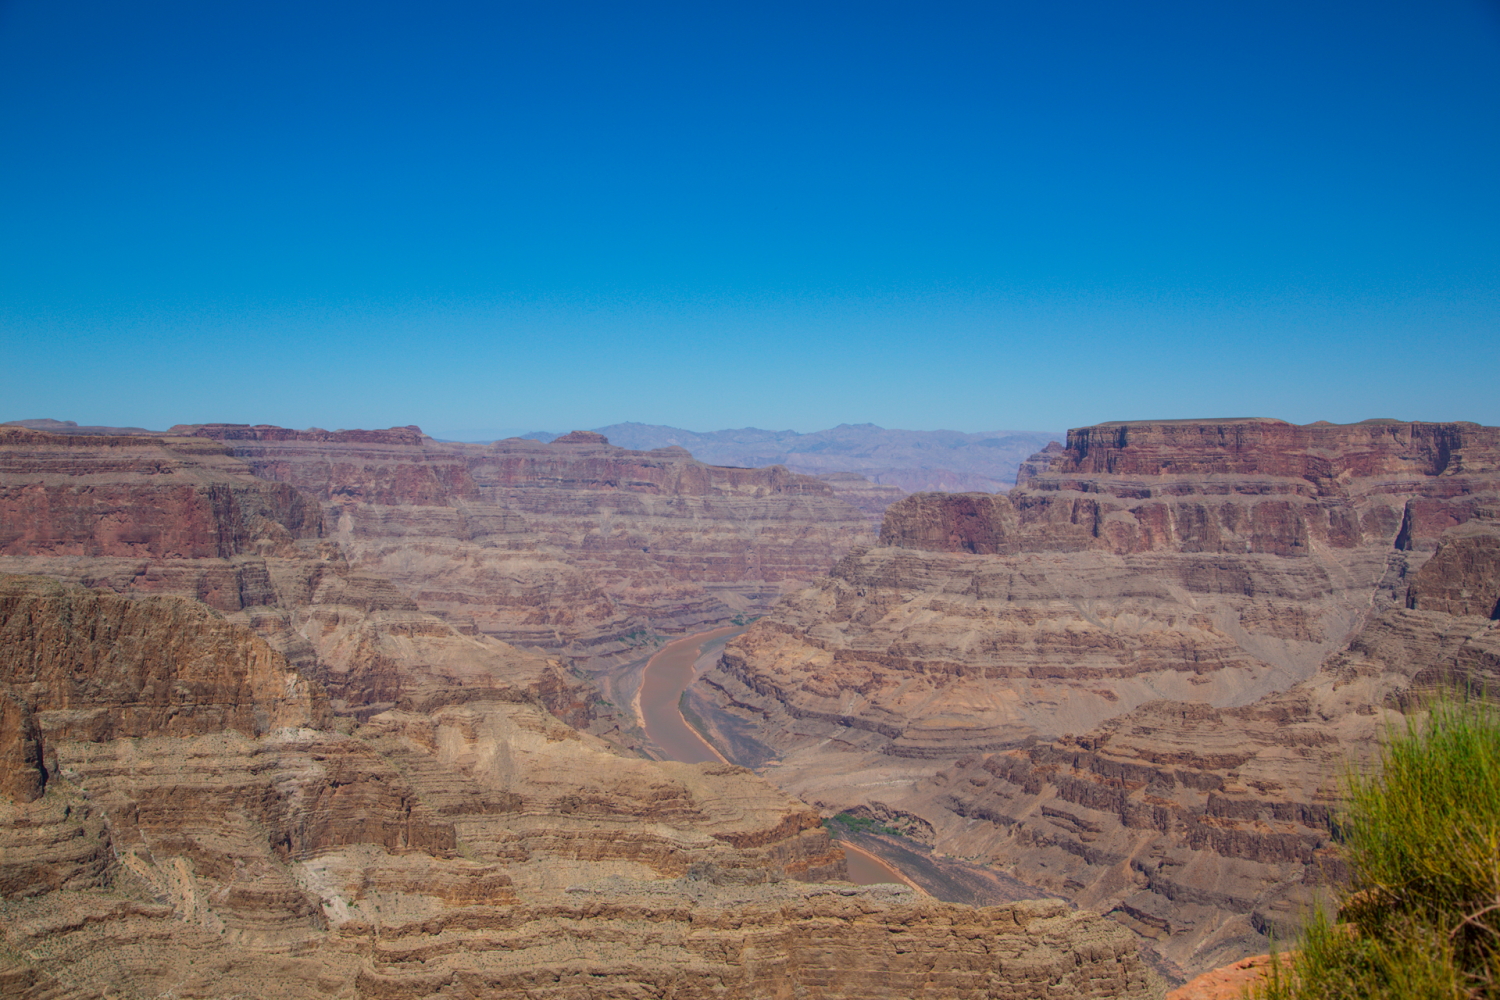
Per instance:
{"type": "Point", "coordinates": [1202, 562]}
{"type": "Point", "coordinates": [571, 545]}
{"type": "Point", "coordinates": [482, 846]}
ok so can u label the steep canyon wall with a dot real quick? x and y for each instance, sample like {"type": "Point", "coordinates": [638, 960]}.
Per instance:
{"type": "Point", "coordinates": [191, 822]}
{"type": "Point", "coordinates": [1187, 590]}
{"type": "Point", "coordinates": [236, 758]}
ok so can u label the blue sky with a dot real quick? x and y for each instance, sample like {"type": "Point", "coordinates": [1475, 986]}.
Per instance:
{"type": "Point", "coordinates": [973, 216]}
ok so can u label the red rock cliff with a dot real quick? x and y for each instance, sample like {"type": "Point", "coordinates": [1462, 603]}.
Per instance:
{"type": "Point", "coordinates": [1257, 486]}
{"type": "Point", "coordinates": [1209, 563]}
{"type": "Point", "coordinates": [154, 497]}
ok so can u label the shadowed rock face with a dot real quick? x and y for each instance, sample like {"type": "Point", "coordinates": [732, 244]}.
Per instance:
{"type": "Point", "coordinates": [96, 666]}
{"type": "Point", "coordinates": [1463, 575]}
{"type": "Point", "coordinates": [1209, 563]}
{"type": "Point", "coordinates": [23, 776]}
{"type": "Point", "coordinates": [574, 546]}
{"type": "Point", "coordinates": [223, 828]}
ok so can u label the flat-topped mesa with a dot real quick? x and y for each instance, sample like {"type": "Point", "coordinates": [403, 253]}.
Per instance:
{"type": "Point", "coordinates": [138, 497]}
{"type": "Point", "coordinates": [582, 437]}
{"type": "Point", "coordinates": [1214, 562]}
{"type": "Point", "coordinates": [410, 434]}
{"type": "Point", "coordinates": [395, 466]}
{"type": "Point", "coordinates": [1320, 453]}
{"type": "Point", "coordinates": [387, 473]}
{"type": "Point", "coordinates": [585, 460]}
{"type": "Point", "coordinates": [1230, 486]}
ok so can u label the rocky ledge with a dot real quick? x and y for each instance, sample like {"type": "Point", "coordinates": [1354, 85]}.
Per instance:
{"type": "Point", "coordinates": [224, 834]}
{"type": "Point", "coordinates": [1188, 590]}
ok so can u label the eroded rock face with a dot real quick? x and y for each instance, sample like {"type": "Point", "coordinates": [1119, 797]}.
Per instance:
{"type": "Point", "coordinates": [258, 554]}
{"type": "Point", "coordinates": [481, 848]}
{"type": "Point", "coordinates": [1209, 563]}
{"type": "Point", "coordinates": [1319, 453]}
{"type": "Point", "coordinates": [1203, 828]}
{"type": "Point", "coordinates": [136, 497]}
{"type": "Point", "coordinates": [177, 783]}
{"type": "Point", "coordinates": [574, 546]}
{"type": "Point", "coordinates": [23, 775]}
{"type": "Point", "coordinates": [96, 666]}
{"type": "Point", "coordinates": [1463, 575]}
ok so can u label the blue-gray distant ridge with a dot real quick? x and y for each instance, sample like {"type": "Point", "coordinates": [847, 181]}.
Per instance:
{"type": "Point", "coordinates": [912, 460]}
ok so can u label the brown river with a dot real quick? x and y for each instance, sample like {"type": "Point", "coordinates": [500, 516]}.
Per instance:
{"type": "Point", "coordinates": [666, 677]}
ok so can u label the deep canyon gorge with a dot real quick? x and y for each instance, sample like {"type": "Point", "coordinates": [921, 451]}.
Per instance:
{"type": "Point", "coordinates": [361, 713]}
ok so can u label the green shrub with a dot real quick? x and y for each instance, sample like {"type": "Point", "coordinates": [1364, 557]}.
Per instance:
{"type": "Point", "coordinates": [864, 824]}
{"type": "Point", "coordinates": [1423, 845]}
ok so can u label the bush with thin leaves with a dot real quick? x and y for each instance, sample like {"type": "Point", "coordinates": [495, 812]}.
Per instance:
{"type": "Point", "coordinates": [1422, 839]}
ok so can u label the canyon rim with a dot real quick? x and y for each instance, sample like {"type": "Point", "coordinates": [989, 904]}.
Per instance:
{"type": "Point", "coordinates": [349, 713]}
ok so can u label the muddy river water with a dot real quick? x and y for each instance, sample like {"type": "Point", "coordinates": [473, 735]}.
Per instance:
{"type": "Point", "coordinates": [666, 676]}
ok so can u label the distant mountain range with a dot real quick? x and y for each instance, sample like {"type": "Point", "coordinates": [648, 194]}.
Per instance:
{"type": "Point", "coordinates": [912, 460]}
{"type": "Point", "coordinates": [947, 461]}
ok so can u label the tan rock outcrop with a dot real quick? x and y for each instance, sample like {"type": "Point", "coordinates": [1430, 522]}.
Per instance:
{"type": "Point", "coordinates": [1228, 983]}
{"type": "Point", "coordinates": [475, 849]}
{"type": "Point", "coordinates": [96, 666]}
{"type": "Point", "coordinates": [1203, 828]}
{"type": "Point", "coordinates": [1144, 567]}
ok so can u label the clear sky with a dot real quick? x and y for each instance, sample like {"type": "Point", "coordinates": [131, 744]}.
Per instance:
{"type": "Point", "coordinates": [555, 215]}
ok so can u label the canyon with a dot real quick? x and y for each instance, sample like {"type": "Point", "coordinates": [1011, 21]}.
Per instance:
{"type": "Point", "coordinates": [1133, 679]}
{"type": "Point", "coordinates": [240, 758]}
{"type": "Point", "coordinates": [195, 816]}
{"type": "Point", "coordinates": [574, 548]}
{"type": "Point", "coordinates": [355, 712]}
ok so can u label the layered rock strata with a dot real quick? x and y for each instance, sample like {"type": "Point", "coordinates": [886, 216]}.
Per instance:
{"type": "Point", "coordinates": [1205, 828]}
{"type": "Point", "coordinates": [1212, 564]}
{"type": "Point", "coordinates": [871, 497]}
{"type": "Point", "coordinates": [219, 836]}
{"type": "Point", "coordinates": [180, 516]}
{"type": "Point", "coordinates": [572, 546]}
